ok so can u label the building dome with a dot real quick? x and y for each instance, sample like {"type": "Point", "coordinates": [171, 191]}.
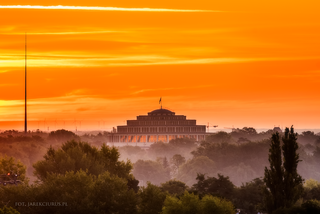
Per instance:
{"type": "Point", "coordinates": [161, 111]}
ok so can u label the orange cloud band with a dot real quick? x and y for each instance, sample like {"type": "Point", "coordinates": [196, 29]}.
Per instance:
{"type": "Point", "coordinates": [62, 7]}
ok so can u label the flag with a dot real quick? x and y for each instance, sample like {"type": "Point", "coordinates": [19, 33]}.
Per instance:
{"type": "Point", "coordinates": [160, 100]}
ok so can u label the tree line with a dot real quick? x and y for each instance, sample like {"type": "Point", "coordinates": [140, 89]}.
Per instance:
{"type": "Point", "coordinates": [181, 176]}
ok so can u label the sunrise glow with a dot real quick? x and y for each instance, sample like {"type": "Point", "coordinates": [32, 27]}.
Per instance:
{"type": "Point", "coordinates": [95, 65]}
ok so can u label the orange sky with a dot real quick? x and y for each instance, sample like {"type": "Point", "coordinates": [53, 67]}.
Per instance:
{"type": "Point", "coordinates": [230, 63]}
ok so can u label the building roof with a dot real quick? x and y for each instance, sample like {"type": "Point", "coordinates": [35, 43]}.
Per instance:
{"type": "Point", "coordinates": [161, 111]}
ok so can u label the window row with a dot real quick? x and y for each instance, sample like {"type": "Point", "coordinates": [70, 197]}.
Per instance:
{"type": "Point", "coordinates": [161, 118]}
{"type": "Point", "coordinates": [151, 138]}
{"type": "Point", "coordinates": [183, 122]}
{"type": "Point", "coordinates": [161, 129]}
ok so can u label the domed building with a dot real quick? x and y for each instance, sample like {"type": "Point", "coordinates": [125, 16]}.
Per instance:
{"type": "Point", "coordinates": [159, 125]}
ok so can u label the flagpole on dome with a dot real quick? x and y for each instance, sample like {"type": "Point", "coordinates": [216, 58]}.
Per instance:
{"type": "Point", "coordinates": [160, 101]}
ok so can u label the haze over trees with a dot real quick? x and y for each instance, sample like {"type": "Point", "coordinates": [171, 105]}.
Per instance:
{"type": "Point", "coordinates": [227, 166]}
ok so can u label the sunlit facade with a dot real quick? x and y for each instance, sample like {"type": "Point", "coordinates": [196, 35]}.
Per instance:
{"type": "Point", "coordinates": [159, 125]}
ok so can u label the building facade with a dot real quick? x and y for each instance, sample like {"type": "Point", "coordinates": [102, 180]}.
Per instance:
{"type": "Point", "coordinates": [159, 125]}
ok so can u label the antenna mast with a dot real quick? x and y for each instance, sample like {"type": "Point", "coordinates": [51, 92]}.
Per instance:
{"type": "Point", "coordinates": [25, 87]}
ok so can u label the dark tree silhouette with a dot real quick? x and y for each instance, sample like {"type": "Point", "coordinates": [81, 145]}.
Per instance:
{"type": "Point", "coordinates": [273, 177]}
{"type": "Point", "coordinates": [292, 180]}
{"type": "Point", "coordinates": [283, 183]}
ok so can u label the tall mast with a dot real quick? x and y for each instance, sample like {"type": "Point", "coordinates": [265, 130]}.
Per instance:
{"type": "Point", "coordinates": [25, 87]}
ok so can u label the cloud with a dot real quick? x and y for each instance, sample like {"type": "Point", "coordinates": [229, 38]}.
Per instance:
{"type": "Point", "coordinates": [64, 33]}
{"type": "Point", "coordinates": [62, 7]}
{"type": "Point", "coordinates": [123, 61]}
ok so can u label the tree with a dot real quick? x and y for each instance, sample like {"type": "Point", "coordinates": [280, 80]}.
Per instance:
{"type": "Point", "coordinates": [183, 143]}
{"type": "Point", "coordinates": [165, 163]}
{"type": "Point", "coordinates": [151, 199]}
{"type": "Point", "coordinates": [292, 180]}
{"type": "Point", "coordinates": [221, 187]}
{"type": "Point", "coordinates": [174, 187]}
{"type": "Point", "coordinates": [160, 149]}
{"type": "Point", "coordinates": [151, 171]}
{"type": "Point", "coordinates": [191, 204]}
{"type": "Point", "coordinates": [316, 154]}
{"type": "Point", "coordinates": [317, 142]}
{"type": "Point", "coordinates": [166, 167]}
{"type": "Point", "coordinates": [250, 196]}
{"type": "Point", "coordinates": [187, 204]}
{"type": "Point", "coordinates": [110, 194]}
{"type": "Point", "coordinates": [220, 137]}
{"type": "Point", "coordinates": [307, 137]}
{"type": "Point", "coordinates": [133, 153]}
{"type": "Point", "coordinates": [283, 183]}
{"type": "Point", "coordinates": [311, 190]}
{"type": "Point", "coordinates": [79, 191]}
{"type": "Point", "coordinates": [273, 177]}
{"type": "Point", "coordinates": [73, 156]}
{"type": "Point", "coordinates": [188, 171]}
{"type": "Point", "coordinates": [211, 204]}
{"type": "Point", "coordinates": [62, 135]}
{"type": "Point", "coordinates": [240, 173]}
{"type": "Point", "coordinates": [176, 161]}
{"type": "Point", "coordinates": [10, 167]}
{"type": "Point", "coordinates": [249, 130]}
{"type": "Point", "coordinates": [8, 210]}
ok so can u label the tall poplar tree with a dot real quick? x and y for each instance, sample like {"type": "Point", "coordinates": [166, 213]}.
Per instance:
{"type": "Point", "coordinates": [273, 177]}
{"type": "Point", "coordinates": [292, 180]}
{"type": "Point", "coordinates": [283, 183]}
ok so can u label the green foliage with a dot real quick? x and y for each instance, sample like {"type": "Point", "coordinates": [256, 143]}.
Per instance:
{"type": "Point", "coordinates": [191, 204]}
{"type": "Point", "coordinates": [309, 207]}
{"type": "Point", "coordinates": [211, 204]}
{"type": "Point", "coordinates": [73, 156]}
{"type": "Point", "coordinates": [133, 184]}
{"type": "Point", "coordinates": [187, 204]}
{"type": "Point", "coordinates": [83, 193]}
{"type": "Point", "coordinates": [10, 165]}
{"type": "Point", "coordinates": [250, 197]}
{"type": "Point", "coordinates": [220, 187]}
{"type": "Point", "coordinates": [189, 170]}
{"type": "Point", "coordinates": [174, 187]}
{"type": "Point", "coordinates": [27, 152]}
{"type": "Point", "coordinates": [311, 190]}
{"type": "Point", "coordinates": [151, 199]}
{"type": "Point", "coordinates": [8, 210]}
{"type": "Point", "coordinates": [151, 171]}
{"type": "Point", "coordinates": [110, 194]}
{"type": "Point", "coordinates": [311, 184]}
